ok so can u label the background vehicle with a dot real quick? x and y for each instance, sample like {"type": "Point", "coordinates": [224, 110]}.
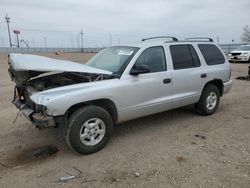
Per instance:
{"type": "Point", "coordinates": [242, 54]}
{"type": "Point", "coordinates": [118, 84]}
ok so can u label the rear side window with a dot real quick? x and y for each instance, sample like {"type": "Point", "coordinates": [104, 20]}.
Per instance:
{"type": "Point", "coordinates": [211, 54]}
{"type": "Point", "coordinates": [184, 56]}
{"type": "Point", "coordinates": [154, 58]}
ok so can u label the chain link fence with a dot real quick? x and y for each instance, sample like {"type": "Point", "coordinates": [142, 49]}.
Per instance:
{"type": "Point", "coordinates": [49, 50]}
{"type": "Point", "coordinates": [225, 47]}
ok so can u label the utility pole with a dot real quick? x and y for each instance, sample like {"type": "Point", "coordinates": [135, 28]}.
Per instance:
{"type": "Point", "coordinates": [233, 44]}
{"type": "Point", "coordinates": [45, 42]}
{"type": "Point", "coordinates": [218, 39]}
{"type": "Point", "coordinates": [81, 40]}
{"type": "Point", "coordinates": [7, 19]}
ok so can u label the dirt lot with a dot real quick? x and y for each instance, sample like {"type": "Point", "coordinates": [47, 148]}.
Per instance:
{"type": "Point", "coordinates": [156, 151]}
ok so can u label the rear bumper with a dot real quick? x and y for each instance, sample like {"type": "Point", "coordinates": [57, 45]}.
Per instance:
{"type": "Point", "coordinates": [39, 120]}
{"type": "Point", "coordinates": [227, 86]}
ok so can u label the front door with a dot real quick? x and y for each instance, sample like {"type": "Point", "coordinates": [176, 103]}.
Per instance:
{"type": "Point", "coordinates": [147, 93]}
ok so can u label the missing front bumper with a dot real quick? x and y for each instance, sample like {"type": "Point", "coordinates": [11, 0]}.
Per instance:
{"type": "Point", "coordinates": [38, 119]}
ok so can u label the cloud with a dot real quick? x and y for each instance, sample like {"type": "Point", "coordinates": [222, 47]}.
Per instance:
{"type": "Point", "coordinates": [126, 20]}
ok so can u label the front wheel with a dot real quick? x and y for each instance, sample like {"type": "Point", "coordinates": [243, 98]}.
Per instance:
{"type": "Point", "coordinates": [209, 100]}
{"type": "Point", "coordinates": [88, 129]}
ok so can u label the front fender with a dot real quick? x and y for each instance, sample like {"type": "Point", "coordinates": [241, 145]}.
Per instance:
{"type": "Point", "coordinates": [58, 101]}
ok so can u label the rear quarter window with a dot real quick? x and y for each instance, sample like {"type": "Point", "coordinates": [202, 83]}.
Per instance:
{"type": "Point", "coordinates": [211, 54]}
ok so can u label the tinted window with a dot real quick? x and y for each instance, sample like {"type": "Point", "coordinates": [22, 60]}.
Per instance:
{"type": "Point", "coordinates": [154, 58]}
{"type": "Point", "coordinates": [211, 54]}
{"type": "Point", "coordinates": [184, 56]}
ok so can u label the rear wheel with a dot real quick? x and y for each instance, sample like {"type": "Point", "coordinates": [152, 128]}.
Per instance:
{"type": "Point", "coordinates": [88, 129]}
{"type": "Point", "coordinates": [209, 100]}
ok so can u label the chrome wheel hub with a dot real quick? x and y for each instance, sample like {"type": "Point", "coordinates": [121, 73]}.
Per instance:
{"type": "Point", "coordinates": [211, 100]}
{"type": "Point", "coordinates": [92, 131]}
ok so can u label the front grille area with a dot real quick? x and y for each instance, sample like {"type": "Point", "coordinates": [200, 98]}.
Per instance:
{"type": "Point", "coordinates": [235, 54]}
{"type": "Point", "coordinates": [29, 103]}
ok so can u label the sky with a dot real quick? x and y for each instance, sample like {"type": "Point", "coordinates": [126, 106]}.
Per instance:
{"type": "Point", "coordinates": [57, 23]}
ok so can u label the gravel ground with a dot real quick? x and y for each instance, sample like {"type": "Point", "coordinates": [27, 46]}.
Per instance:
{"type": "Point", "coordinates": [156, 151]}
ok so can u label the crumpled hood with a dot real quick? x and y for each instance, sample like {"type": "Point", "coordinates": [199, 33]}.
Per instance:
{"type": "Point", "coordinates": [27, 62]}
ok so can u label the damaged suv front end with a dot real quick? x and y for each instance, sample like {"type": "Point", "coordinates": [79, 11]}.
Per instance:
{"type": "Point", "coordinates": [43, 84]}
{"type": "Point", "coordinates": [36, 113]}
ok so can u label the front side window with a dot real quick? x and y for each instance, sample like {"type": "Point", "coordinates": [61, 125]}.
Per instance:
{"type": "Point", "coordinates": [154, 58]}
{"type": "Point", "coordinates": [211, 54]}
{"type": "Point", "coordinates": [184, 56]}
{"type": "Point", "coordinates": [113, 59]}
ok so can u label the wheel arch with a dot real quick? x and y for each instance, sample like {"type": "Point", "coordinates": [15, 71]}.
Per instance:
{"type": "Point", "coordinates": [218, 83]}
{"type": "Point", "coordinates": [106, 104]}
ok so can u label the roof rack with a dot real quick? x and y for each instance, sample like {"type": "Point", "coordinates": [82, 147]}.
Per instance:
{"type": "Point", "coordinates": [159, 37]}
{"type": "Point", "coordinates": [201, 38]}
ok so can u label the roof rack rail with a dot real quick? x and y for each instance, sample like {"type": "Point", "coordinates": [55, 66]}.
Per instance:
{"type": "Point", "coordinates": [201, 38]}
{"type": "Point", "coordinates": [159, 37]}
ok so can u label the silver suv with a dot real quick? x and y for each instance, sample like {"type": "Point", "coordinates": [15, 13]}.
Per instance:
{"type": "Point", "coordinates": [118, 84]}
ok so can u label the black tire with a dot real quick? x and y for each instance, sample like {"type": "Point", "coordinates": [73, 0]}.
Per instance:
{"type": "Point", "coordinates": [75, 125]}
{"type": "Point", "coordinates": [202, 106]}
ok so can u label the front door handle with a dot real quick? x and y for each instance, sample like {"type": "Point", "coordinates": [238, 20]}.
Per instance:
{"type": "Point", "coordinates": [167, 80]}
{"type": "Point", "coordinates": [204, 75]}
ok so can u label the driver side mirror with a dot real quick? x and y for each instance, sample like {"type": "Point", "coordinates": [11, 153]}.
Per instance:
{"type": "Point", "coordinates": [139, 69]}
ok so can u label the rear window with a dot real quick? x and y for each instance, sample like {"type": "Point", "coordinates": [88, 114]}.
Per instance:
{"type": "Point", "coordinates": [211, 54]}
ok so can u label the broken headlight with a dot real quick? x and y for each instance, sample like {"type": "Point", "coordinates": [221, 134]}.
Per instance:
{"type": "Point", "coordinates": [40, 108]}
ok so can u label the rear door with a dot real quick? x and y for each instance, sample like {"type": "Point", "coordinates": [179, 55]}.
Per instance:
{"type": "Point", "coordinates": [217, 66]}
{"type": "Point", "coordinates": [188, 76]}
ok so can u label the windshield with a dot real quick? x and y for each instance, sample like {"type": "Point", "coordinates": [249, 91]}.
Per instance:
{"type": "Point", "coordinates": [113, 59]}
{"type": "Point", "coordinates": [244, 48]}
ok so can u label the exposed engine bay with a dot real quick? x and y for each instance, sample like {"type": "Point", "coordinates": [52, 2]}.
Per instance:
{"type": "Point", "coordinates": [42, 83]}
{"type": "Point", "coordinates": [46, 81]}
{"type": "Point", "coordinates": [34, 74]}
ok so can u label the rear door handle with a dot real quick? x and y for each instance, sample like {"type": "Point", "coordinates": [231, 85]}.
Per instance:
{"type": "Point", "coordinates": [204, 75]}
{"type": "Point", "coordinates": [167, 80]}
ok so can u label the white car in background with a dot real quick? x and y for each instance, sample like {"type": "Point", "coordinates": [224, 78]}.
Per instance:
{"type": "Point", "coordinates": [241, 54]}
